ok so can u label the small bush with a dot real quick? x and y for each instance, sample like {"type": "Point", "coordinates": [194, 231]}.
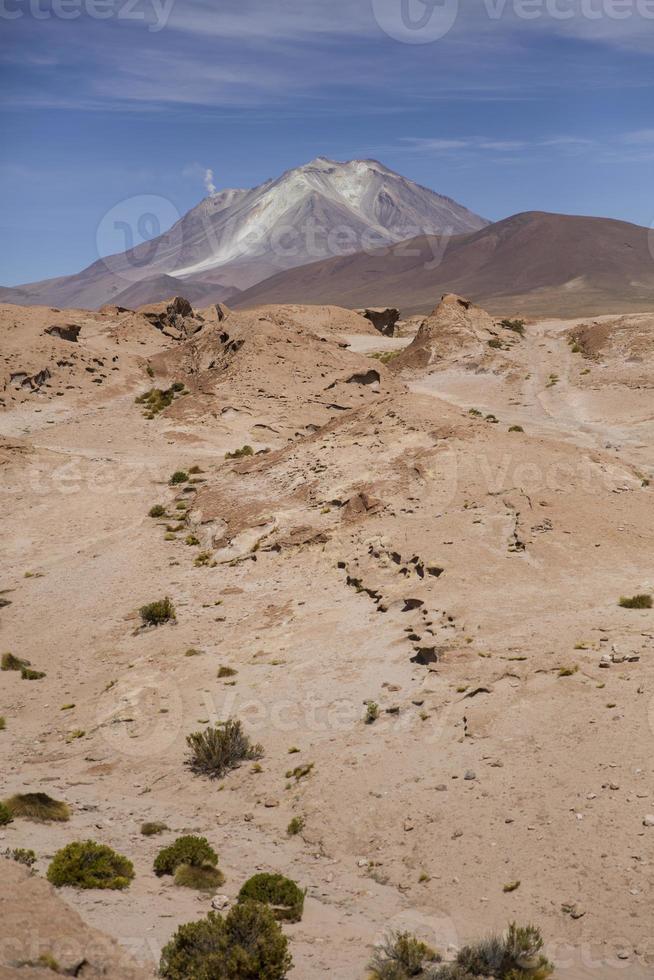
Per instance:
{"type": "Point", "coordinates": [9, 662]}
{"type": "Point", "coordinates": [516, 428]}
{"type": "Point", "coordinates": [514, 956]}
{"type": "Point", "coordinates": [372, 713]}
{"type": "Point", "coordinates": [282, 894]}
{"type": "Point", "coordinates": [195, 470]}
{"type": "Point", "coordinates": [517, 326]}
{"type": "Point", "coordinates": [156, 399]}
{"type": "Point", "coordinates": [636, 602]}
{"type": "Point", "coordinates": [300, 771]}
{"type": "Point", "coordinates": [191, 540]}
{"type": "Point", "coordinates": [5, 815]}
{"type": "Point", "coordinates": [39, 807]}
{"type": "Point", "coordinates": [226, 672]}
{"type": "Point", "coordinates": [22, 855]}
{"type": "Point", "coordinates": [152, 828]}
{"type": "Point", "coordinates": [27, 674]}
{"type": "Point", "coordinates": [157, 511]}
{"type": "Point", "coordinates": [240, 453]}
{"type": "Point", "coordinates": [3, 723]}
{"type": "Point", "coordinates": [203, 879]}
{"type": "Point", "coordinates": [247, 945]}
{"type": "Point", "coordinates": [179, 476]}
{"type": "Point", "coordinates": [158, 612]}
{"type": "Point", "coordinates": [217, 750]}
{"type": "Point", "coordinates": [495, 343]}
{"type": "Point", "coordinates": [295, 827]}
{"type": "Point", "coordinates": [85, 864]}
{"type": "Point", "coordinates": [400, 956]}
{"type": "Point", "coordinates": [190, 850]}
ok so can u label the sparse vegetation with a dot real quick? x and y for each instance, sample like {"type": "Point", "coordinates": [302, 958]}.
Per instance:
{"type": "Point", "coordinates": [195, 470]}
{"type": "Point", "coordinates": [152, 828]}
{"type": "Point", "coordinates": [636, 602]}
{"type": "Point", "coordinates": [86, 864]}
{"type": "Point", "coordinates": [515, 956]}
{"type": "Point", "coordinates": [386, 356]}
{"type": "Point", "coordinates": [22, 856]}
{"type": "Point", "coordinates": [246, 945]}
{"type": "Point", "coordinates": [295, 827]}
{"type": "Point", "coordinates": [5, 815]}
{"type": "Point", "coordinates": [157, 511]}
{"type": "Point", "coordinates": [516, 428]}
{"type": "Point", "coordinates": [568, 671]}
{"type": "Point", "coordinates": [218, 749]}
{"type": "Point", "coordinates": [240, 453]}
{"type": "Point", "coordinates": [372, 713]}
{"type": "Point", "coordinates": [517, 326]}
{"type": "Point", "coordinates": [3, 723]}
{"type": "Point", "coordinates": [203, 879]}
{"type": "Point", "coordinates": [191, 540]}
{"type": "Point", "coordinates": [156, 613]}
{"type": "Point", "coordinates": [476, 414]}
{"type": "Point", "coordinates": [178, 477]}
{"type": "Point", "coordinates": [283, 895]}
{"type": "Point", "coordinates": [400, 956]}
{"type": "Point", "coordinates": [195, 852]}
{"type": "Point", "coordinates": [226, 672]}
{"type": "Point", "coordinates": [495, 343]}
{"type": "Point", "coordinates": [300, 771]}
{"type": "Point", "coordinates": [10, 662]}
{"type": "Point", "coordinates": [27, 674]}
{"type": "Point", "coordinates": [157, 399]}
{"type": "Point", "coordinates": [38, 806]}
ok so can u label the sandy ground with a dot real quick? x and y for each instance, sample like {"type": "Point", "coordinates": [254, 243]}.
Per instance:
{"type": "Point", "coordinates": [317, 600]}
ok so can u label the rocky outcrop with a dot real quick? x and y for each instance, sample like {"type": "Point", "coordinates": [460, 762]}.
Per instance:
{"type": "Point", "coordinates": [64, 331]}
{"type": "Point", "coordinates": [382, 319]}
{"type": "Point", "coordinates": [21, 379]}
{"type": "Point", "coordinates": [174, 317]}
{"type": "Point", "coordinates": [456, 328]}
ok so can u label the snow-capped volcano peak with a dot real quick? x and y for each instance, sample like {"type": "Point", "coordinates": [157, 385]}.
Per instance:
{"type": "Point", "coordinates": [325, 207]}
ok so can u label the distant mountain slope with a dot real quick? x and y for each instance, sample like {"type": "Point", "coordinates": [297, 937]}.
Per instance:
{"type": "Point", "coordinates": [534, 262]}
{"type": "Point", "coordinates": [240, 237]}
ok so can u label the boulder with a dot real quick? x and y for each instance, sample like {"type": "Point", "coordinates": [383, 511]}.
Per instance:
{"type": "Point", "coordinates": [64, 331]}
{"type": "Point", "coordinates": [383, 319]}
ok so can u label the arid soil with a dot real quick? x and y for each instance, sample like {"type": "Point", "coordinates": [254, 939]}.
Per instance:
{"type": "Point", "coordinates": [390, 540]}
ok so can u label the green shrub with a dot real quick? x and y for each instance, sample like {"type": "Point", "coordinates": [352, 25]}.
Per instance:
{"type": "Point", "coordinates": [27, 674]}
{"type": "Point", "coordinates": [3, 723]}
{"type": "Point", "coordinates": [247, 945]}
{"type": "Point", "coordinates": [189, 850]}
{"type": "Point", "coordinates": [203, 879]}
{"type": "Point", "coordinates": [217, 750]}
{"type": "Point", "coordinates": [85, 864]}
{"type": "Point", "coordinates": [372, 713]}
{"type": "Point", "coordinates": [400, 956]}
{"type": "Point", "coordinates": [9, 662]}
{"type": "Point", "coordinates": [636, 602]}
{"type": "Point", "coordinates": [191, 540]}
{"type": "Point", "coordinates": [158, 612]}
{"type": "Point", "coordinates": [226, 672]}
{"type": "Point", "coordinates": [156, 399]}
{"type": "Point", "coordinates": [179, 476]}
{"type": "Point", "coordinates": [38, 806]}
{"type": "Point", "coordinates": [157, 511]}
{"type": "Point", "coordinates": [296, 826]}
{"type": "Point", "coordinates": [152, 828]}
{"type": "Point", "coordinates": [240, 453]}
{"type": "Point", "coordinates": [495, 343]}
{"type": "Point", "coordinates": [517, 326]}
{"type": "Point", "coordinates": [5, 815]}
{"type": "Point", "coordinates": [22, 855]}
{"type": "Point", "coordinates": [515, 956]}
{"type": "Point", "coordinates": [286, 899]}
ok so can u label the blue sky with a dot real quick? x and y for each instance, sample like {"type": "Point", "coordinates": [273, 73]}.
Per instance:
{"type": "Point", "coordinates": [517, 106]}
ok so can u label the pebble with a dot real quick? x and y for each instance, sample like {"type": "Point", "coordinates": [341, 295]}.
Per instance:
{"type": "Point", "coordinates": [649, 820]}
{"type": "Point", "coordinates": [470, 775]}
{"type": "Point", "coordinates": [220, 902]}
